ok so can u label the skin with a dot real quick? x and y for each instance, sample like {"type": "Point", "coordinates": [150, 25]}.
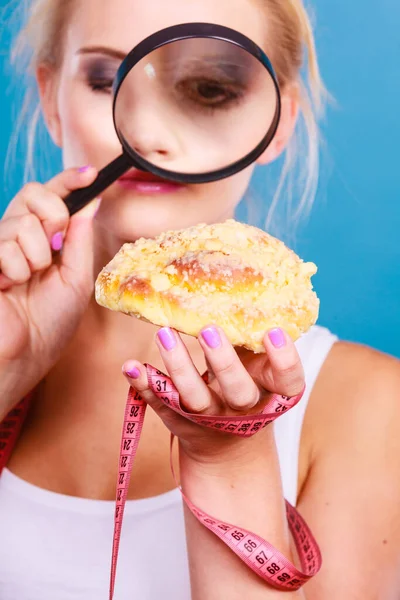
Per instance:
{"type": "Point", "coordinates": [349, 489]}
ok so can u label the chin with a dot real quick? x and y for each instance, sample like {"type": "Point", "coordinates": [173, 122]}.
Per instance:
{"type": "Point", "coordinates": [130, 216]}
{"type": "Point", "coordinates": [135, 220]}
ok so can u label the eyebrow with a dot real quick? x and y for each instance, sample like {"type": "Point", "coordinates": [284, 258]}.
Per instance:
{"type": "Point", "coordinates": [113, 52]}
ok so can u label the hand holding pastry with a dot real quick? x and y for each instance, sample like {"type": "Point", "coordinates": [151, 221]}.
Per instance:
{"type": "Point", "coordinates": [239, 383]}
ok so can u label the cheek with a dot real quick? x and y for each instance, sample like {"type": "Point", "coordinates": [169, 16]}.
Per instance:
{"type": "Point", "coordinates": [87, 130]}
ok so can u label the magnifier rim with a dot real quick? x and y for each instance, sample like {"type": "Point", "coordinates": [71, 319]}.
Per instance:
{"type": "Point", "coordinates": [177, 33]}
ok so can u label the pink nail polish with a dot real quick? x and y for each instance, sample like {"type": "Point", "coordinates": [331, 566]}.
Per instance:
{"type": "Point", "coordinates": [84, 169]}
{"type": "Point", "coordinates": [57, 241]}
{"type": "Point", "coordinates": [167, 338]}
{"type": "Point", "coordinates": [211, 337]}
{"type": "Point", "coordinates": [132, 372]}
{"type": "Point", "coordinates": [277, 338]}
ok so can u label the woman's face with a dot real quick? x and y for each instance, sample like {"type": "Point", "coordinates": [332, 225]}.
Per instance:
{"type": "Point", "coordinates": [79, 112]}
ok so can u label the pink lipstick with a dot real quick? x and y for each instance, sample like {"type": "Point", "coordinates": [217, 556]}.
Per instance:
{"type": "Point", "coordinates": [147, 183]}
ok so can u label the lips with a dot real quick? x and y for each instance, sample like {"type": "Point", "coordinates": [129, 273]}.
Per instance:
{"type": "Point", "coordinates": [136, 175]}
{"type": "Point", "coordinates": [147, 183]}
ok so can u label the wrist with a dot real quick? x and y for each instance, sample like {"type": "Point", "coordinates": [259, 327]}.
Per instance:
{"type": "Point", "coordinates": [228, 452]}
{"type": "Point", "coordinates": [240, 485]}
{"type": "Point", "coordinates": [16, 382]}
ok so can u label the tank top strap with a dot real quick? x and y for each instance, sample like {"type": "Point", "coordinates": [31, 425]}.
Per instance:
{"type": "Point", "coordinates": [313, 347]}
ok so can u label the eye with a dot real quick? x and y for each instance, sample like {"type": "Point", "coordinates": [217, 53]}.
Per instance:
{"type": "Point", "coordinates": [101, 85]}
{"type": "Point", "coordinates": [208, 92]}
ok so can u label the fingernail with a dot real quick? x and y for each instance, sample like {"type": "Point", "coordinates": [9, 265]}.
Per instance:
{"type": "Point", "coordinates": [84, 169]}
{"type": "Point", "coordinates": [57, 242]}
{"type": "Point", "coordinates": [277, 338]}
{"type": "Point", "coordinates": [132, 372]}
{"type": "Point", "coordinates": [167, 338]}
{"type": "Point", "coordinates": [211, 337]}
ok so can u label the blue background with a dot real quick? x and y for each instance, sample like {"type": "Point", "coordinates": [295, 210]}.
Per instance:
{"type": "Point", "coordinates": [352, 233]}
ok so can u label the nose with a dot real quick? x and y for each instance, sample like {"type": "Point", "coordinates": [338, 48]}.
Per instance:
{"type": "Point", "coordinates": [149, 137]}
{"type": "Point", "coordinates": [147, 125]}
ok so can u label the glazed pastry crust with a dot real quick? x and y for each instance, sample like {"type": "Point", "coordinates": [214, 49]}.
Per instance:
{"type": "Point", "coordinates": [228, 274]}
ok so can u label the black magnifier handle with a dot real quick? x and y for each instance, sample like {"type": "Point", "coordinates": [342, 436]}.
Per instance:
{"type": "Point", "coordinates": [79, 198]}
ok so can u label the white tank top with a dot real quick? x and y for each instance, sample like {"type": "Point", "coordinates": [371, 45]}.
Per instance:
{"type": "Point", "coordinates": [56, 547]}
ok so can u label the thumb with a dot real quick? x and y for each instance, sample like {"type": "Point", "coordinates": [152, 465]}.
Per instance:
{"type": "Point", "coordinates": [77, 253]}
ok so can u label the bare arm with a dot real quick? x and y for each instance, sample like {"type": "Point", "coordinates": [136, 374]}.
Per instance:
{"type": "Point", "coordinates": [13, 385]}
{"type": "Point", "coordinates": [243, 490]}
{"type": "Point", "coordinates": [351, 497]}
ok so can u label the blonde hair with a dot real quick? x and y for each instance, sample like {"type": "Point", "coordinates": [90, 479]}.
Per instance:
{"type": "Point", "coordinates": [40, 41]}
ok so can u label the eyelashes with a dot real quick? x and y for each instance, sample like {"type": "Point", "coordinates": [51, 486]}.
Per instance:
{"type": "Point", "coordinates": [100, 76]}
{"type": "Point", "coordinates": [100, 85]}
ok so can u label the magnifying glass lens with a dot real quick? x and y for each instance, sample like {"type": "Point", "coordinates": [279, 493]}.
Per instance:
{"type": "Point", "coordinates": [195, 106]}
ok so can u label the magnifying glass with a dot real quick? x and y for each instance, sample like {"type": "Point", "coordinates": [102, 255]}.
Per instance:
{"type": "Point", "coordinates": [210, 101]}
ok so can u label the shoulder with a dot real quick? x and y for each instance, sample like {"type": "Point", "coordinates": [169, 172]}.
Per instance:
{"type": "Point", "coordinates": [354, 405]}
{"type": "Point", "coordinates": [353, 380]}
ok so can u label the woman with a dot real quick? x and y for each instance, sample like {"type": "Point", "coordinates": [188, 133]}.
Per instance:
{"type": "Point", "coordinates": [336, 455]}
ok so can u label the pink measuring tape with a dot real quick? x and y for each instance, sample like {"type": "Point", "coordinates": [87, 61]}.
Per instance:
{"type": "Point", "coordinates": [260, 556]}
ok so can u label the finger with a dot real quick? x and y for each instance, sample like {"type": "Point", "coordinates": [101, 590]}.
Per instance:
{"type": "Point", "coordinates": [77, 255]}
{"type": "Point", "coordinates": [70, 180]}
{"type": "Point", "coordinates": [5, 283]}
{"type": "Point", "coordinates": [195, 394]}
{"type": "Point", "coordinates": [281, 368]}
{"type": "Point", "coordinates": [46, 205]}
{"type": "Point", "coordinates": [28, 232]}
{"type": "Point", "coordinates": [46, 201]}
{"type": "Point", "coordinates": [136, 375]}
{"type": "Point", "coordinates": [13, 264]}
{"type": "Point", "coordinates": [237, 387]}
